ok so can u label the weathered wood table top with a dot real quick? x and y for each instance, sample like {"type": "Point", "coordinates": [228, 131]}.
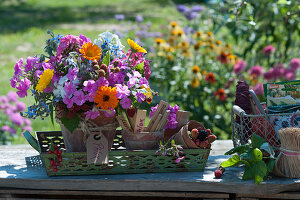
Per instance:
{"type": "Point", "coordinates": [16, 175]}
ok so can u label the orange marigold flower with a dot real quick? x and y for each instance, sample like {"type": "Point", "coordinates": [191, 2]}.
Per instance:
{"type": "Point", "coordinates": [210, 77]}
{"type": "Point", "coordinates": [90, 51]}
{"type": "Point", "coordinates": [105, 98]}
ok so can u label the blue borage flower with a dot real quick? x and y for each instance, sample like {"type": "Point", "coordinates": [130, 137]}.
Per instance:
{"type": "Point", "coordinates": [31, 112]}
{"type": "Point", "coordinates": [57, 38]}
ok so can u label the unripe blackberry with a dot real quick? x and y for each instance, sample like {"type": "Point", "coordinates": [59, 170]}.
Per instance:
{"type": "Point", "coordinates": [104, 67]}
{"type": "Point", "coordinates": [96, 67]}
{"type": "Point", "coordinates": [101, 73]}
{"type": "Point", "coordinates": [94, 62]}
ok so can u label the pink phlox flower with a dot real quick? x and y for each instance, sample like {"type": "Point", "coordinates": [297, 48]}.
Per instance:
{"type": "Point", "coordinates": [83, 39]}
{"type": "Point", "coordinates": [79, 98]}
{"type": "Point", "coordinates": [179, 159]}
{"type": "Point", "coordinates": [109, 113]}
{"type": "Point", "coordinates": [125, 103]}
{"type": "Point", "coordinates": [90, 97]}
{"type": "Point", "coordinates": [147, 70]}
{"type": "Point", "coordinates": [69, 88]}
{"type": "Point", "coordinates": [258, 89]}
{"type": "Point", "coordinates": [256, 71]}
{"type": "Point", "coordinates": [23, 86]}
{"type": "Point", "coordinates": [102, 81]}
{"type": "Point", "coordinates": [5, 128]}
{"type": "Point", "coordinates": [27, 122]}
{"type": "Point", "coordinates": [268, 50]}
{"type": "Point", "coordinates": [48, 89]}
{"type": "Point", "coordinates": [92, 114]}
{"type": "Point", "coordinates": [12, 96]}
{"type": "Point", "coordinates": [27, 128]}
{"type": "Point", "coordinates": [3, 100]}
{"type": "Point", "coordinates": [13, 81]}
{"type": "Point", "coordinates": [68, 101]}
{"type": "Point", "coordinates": [72, 73]}
{"type": "Point", "coordinates": [239, 67]}
{"type": "Point", "coordinates": [30, 63]}
{"type": "Point", "coordinates": [131, 82]}
{"type": "Point", "coordinates": [68, 41]}
{"type": "Point", "coordinates": [18, 68]}
{"type": "Point", "coordinates": [12, 130]}
{"type": "Point", "coordinates": [89, 86]}
{"type": "Point", "coordinates": [122, 91]}
{"type": "Point", "coordinates": [140, 97]}
{"type": "Point", "coordinates": [46, 66]}
{"type": "Point", "coordinates": [119, 78]}
{"type": "Point", "coordinates": [144, 82]}
{"type": "Point", "coordinates": [290, 76]}
{"type": "Point", "coordinates": [153, 109]}
{"type": "Point", "coordinates": [38, 73]}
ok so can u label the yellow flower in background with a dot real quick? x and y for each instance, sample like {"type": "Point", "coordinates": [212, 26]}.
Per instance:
{"type": "Point", "coordinates": [186, 53]}
{"type": "Point", "coordinates": [180, 33]}
{"type": "Point", "coordinates": [209, 33]}
{"type": "Point", "coordinates": [169, 49]}
{"type": "Point", "coordinates": [134, 46]}
{"type": "Point", "coordinates": [159, 41]}
{"type": "Point", "coordinates": [173, 24]}
{"type": "Point", "coordinates": [218, 42]}
{"type": "Point", "coordinates": [195, 69]}
{"type": "Point", "coordinates": [204, 73]}
{"type": "Point", "coordinates": [105, 98]}
{"type": "Point", "coordinates": [171, 41]}
{"type": "Point", "coordinates": [228, 46]}
{"type": "Point", "coordinates": [198, 34]}
{"type": "Point", "coordinates": [90, 51]}
{"type": "Point", "coordinates": [195, 82]}
{"type": "Point", "coordinates": [44, 80]}
{"type": "Point", "coordinates": [170, 57]}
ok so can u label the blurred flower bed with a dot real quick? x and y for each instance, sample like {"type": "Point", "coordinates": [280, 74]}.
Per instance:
{"type": "Point", "coordinates": [197, 60]}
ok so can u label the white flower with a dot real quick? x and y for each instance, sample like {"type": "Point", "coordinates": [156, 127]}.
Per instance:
{"type": "Point", "coordinates": [108, 41]}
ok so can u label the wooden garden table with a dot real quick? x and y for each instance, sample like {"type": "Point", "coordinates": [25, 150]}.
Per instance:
{"type": "Point", "coordinates": [18, 180]}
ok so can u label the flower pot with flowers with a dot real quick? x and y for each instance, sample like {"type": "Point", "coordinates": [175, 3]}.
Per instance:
{"type": "Point", "coordinates": [85, 84]}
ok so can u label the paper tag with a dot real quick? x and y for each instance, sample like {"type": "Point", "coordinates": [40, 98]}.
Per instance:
{"type": "Point", "coordinates": [97, 149]}
{"type": "Point", "coordinates": [182, 117]}
{"type": "Point", "coordinates": [140, 121]}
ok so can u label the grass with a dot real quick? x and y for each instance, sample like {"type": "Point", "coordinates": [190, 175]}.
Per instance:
{"type": "Point", "coordinates": [23, 27]}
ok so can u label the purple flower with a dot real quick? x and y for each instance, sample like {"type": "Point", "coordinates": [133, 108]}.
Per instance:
{"type": "Point", "coordinates": [239, 67]}
{"type": "Point", "coordinates": [79, 98]}
{"type": "Point", "coordinates": [255, 71]}
{"type": "Point", "coordinates": [144, 81]}
{"type": "Point", "coordinates": [69, 88]}
{"type": "Point", "coordinates": [126, 103]}
{"type": "Point", "coordinates": [30, 63]}
{"type": "Point", "coordinates": [13, 81]}
{"type": "Point", "coordinates": [23, 87]}
{"type": "Point", "coordinates": [83, 39]}
{"type": "Point", "coordinates": [140, 97]}
{"type": "Point", "coordinates": [174, 109]}
{"type": "Point", "coordinates": [290, 76]}
{"type": "Point", "coordinates": [295, 63]}
{"type": "Point", "coordinates": [12, 96]}
{"type": "Point", "coordinates": [122, 91]}
{"type": "Point", "coordinates": [268, 50]}
{"type": "Point", "coordinates": [259, 89]}
{"type": "Point", "coordinates": [182, 8]}
{"type": "Point", "coordinates": [119, 17]}
{"type": "Point", "coordinates": [119, 78]}
{"type": "Point", "coordinates": [69, 102]}
{"type": "Point", "coordinates": [67, 41]}
{"type": "Point", "coordinates": [89, 86]}
{"type": "Point", "coordinates": [179, 159]}
{"type": "Point", "coordinates": [139, 18]}
{"type": "Point", "coordinates": [90, 97]}
{"type": "Point", "coordinates": [197, 8]}
{"type": "Point", "coordinates": [27, 128]}
{"type": "Point", "coordinates": [72, 73]}
{"type": "Point", "coordinates": [147, 70]}
{"type": "Point", "coordinates": [17, 119]}
{"type": "Point", "coordinates": [12, 130]}
{"type": "Point", "coordinates": [5, 128]}
{"type": "Point", "coordinates": [27, 122]}
{"type": "Point", "coordinates": [92, 114]}
{"type": "Point", "coordinates": [153, 109]}
{"type": "Point", "coordinates": [48, 89]}
{"type": "Point", "coordinates": [109, 113]}
{"type": "Point", "coordinates": [102, 82]}
{"type": "Point", "coordinates": [3, 100]}
{"type": "Point", "coordinates": [131, 82]}
{"type": "Point", "coordinates": [20, 106]}
{"type": "Point", "coordinates": [18, 67]}
{"type": "Point", "coordinates": [191, 15]}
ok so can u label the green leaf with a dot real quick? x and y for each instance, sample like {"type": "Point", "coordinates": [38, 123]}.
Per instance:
{"type": "Point", "coordinates": [282, 2]}
{"type": "Point", "coordinates": [265, 146]}
{"type": "Point", "coordinates": [32, 141]}
{"type": "Point", "coordinates": [256, 170]}
{"type": "Point", "coordinates": [173, 142]}
{"type": "Point", "coordinates": [256, 155]}
{"type": "Point", "coordinates": [51, 114]}
{"type": "Point", "coordinates": [270, 165]}
{"type": "Point", "coordinates": [71, 124]}
{"type": "Point", "coordinates": [257, 141]}
{"type": "Point", "coordinates": [231, 162]}
{"type": "Point", "coordinates": [140, 68]}
{"type": "Point", "coordinates": [106, 59]}
{"type": "Point", "coordinates": [240, 149]}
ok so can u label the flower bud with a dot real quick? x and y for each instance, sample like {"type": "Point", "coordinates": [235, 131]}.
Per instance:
{"type": "Point", "coordinates": [116, 63]}
{"type": "Point", "coordinates": [94, 62]}
{"type": "Point", "coordinates": [104, 67]}
{"type": "Point", "coordinates": [96, 67]}
{"type": "Point", "coordinates": [117, 70]}
{"type": "Point", "coordinates": [101, 73]}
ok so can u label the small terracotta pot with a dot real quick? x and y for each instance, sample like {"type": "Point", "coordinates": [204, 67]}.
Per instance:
{"type": "Point", "coordinates": [143, 140]}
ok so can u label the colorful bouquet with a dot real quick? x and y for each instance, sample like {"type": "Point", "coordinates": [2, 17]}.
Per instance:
{"type": "Point", "coordinates": [11, 122]}
{"type": "Point", "coordinates": [82, 78]}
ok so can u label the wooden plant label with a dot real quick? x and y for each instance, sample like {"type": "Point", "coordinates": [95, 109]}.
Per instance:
{"type": "Point", "coordinates": [157, 121]}
{"type": "Point", "coordinates": [140, 118]}
{"type": "Point", "coordinates": [124, 123]}
{"type": "Point", "coordinates": [163, 121]}
{"type": "Point", "coordinates": [182, 117]}
{"type": "Point", "coordinates": [132, 120]}
{"type": "Point", "coordinates": [161, 109]}
{"type": "Point", "coordinates": [97, 149]}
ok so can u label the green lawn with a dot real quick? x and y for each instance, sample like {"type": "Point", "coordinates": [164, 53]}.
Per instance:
{"type": "Point", "coordinates": [23, 28]}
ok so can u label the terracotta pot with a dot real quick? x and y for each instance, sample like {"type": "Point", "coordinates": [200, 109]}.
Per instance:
{"type": "Point", "coordinates": [143, 140]}
{"type": "Point", "coordinates": [75, 142]}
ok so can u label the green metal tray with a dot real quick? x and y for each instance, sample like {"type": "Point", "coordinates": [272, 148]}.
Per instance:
{"type": "Point", "coordinates": [121, 161]}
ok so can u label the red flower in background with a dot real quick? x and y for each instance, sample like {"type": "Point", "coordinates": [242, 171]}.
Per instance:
{"type": "Point", "coordinates": [210, 77]}
{"type": "Point", "coordinates": [220, 94]}
{"type": "Point", "coordinates": [223, 58]}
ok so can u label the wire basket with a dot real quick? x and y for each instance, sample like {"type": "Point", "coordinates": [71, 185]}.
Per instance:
{"type": "Point", "coordinates": [264, 125]}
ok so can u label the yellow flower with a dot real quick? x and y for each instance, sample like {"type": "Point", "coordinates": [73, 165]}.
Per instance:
{"type": "Point", "coordinates": [186, 53]}
{"type": "Point", "coordinates": [195, 83]}
{"type": "Point", "coordinates": [148, 94]}
{"type": "Point", "coordinates": [173, 24]}
{"type": "Point", "coordinates": [170, 57]}
{"type": "Point", "coordinates": [218, 42]}
{"type": "Point", "coordinates": [195, 69]}
{"type": "Point", "coordinates": [159, 41]}
{"type": "Point", "coordinates": [134, 46]}
{"type": "Point", "coordinates": [90, 51]}
{"type": "Point", "coordinates": [106, 98]}
{"type": "Point", "coordinates": [209, 34]}
{"type": "Point", "coordinates": [179, 33]}
{"type": "Point", "coordinates": [45, 79]}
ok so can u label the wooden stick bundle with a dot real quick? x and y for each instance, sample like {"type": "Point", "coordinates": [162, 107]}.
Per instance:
{"type": "Point", "coordinates": [288, 162]}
